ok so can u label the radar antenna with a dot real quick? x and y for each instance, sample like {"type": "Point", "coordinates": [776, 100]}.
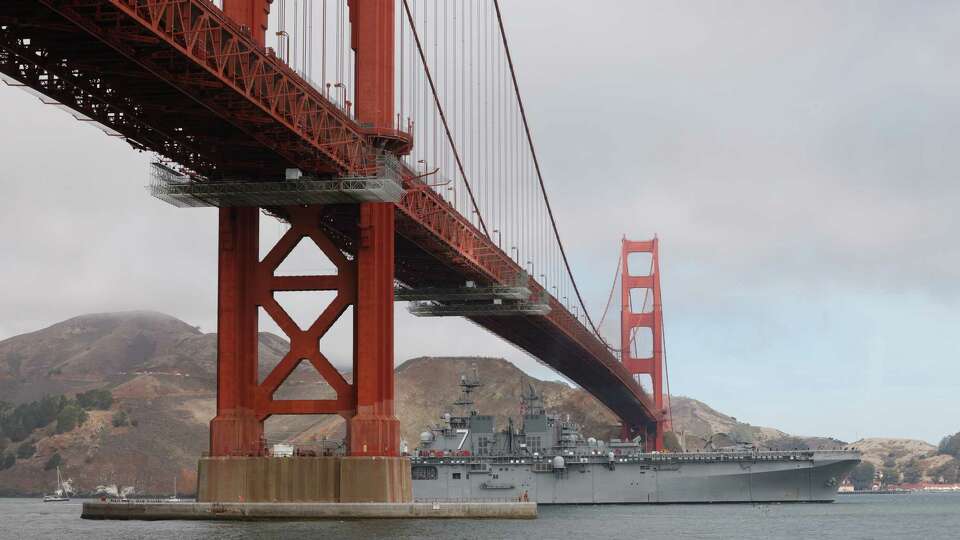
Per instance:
{"type": "Point", "coordinates": [467, 386]}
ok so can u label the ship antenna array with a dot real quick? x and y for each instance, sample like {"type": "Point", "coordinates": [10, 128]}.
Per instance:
{"type": "Point", "coordinates": [467, 386]}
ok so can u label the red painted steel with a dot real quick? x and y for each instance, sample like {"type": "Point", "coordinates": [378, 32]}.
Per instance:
{"type": "Point", "coordinates": [372, 38]}
{"type": "Point", "coordinates": [236, 428]}
{"type": "Point", "coordinates": [630, 320]}
{"type": "Point", "coordinates": [368, 284]}
{"type": "Point", "coordinates": [305, 344]}
{"type": "Point", "coordinates": [246, 284]}
{"type": "Point", "coordinates": [375, 430]}
{"type": "Point", "coordinates": [264, 93]}
{"type": "Point", "coordinates": [252, 16]}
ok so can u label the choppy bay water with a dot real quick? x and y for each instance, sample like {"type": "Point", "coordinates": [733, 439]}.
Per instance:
{"type": "Point", "coordinates": [910, 516]}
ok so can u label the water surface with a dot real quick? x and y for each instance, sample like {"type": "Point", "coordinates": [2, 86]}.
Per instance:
{"type": "Point", "coordinates": [912, 516]}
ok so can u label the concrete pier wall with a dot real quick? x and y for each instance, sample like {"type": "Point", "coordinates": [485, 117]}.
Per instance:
{"type": "Point", "coordinates": [304, 479]}
{"type": "Point", "coordinates": [304, 511]}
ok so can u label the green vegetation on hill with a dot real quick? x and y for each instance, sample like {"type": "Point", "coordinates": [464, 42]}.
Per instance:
{"type": "Point", "coordinates": [26, 450]}
{"type": "Point", "coordinates": [18, 423]}
{"type": "Point", "coordinates": [54, 462]}
{"type": "Point", "coordinates": [950, 445]}
{"type": "Point", "coordinates": [948, 473]}
{"type": "Point", "coordinates": [120, 419]}
{"type": "Point", "coordinates": [863, 475]}
{"type": "Point", "coordinates": [95, 400]}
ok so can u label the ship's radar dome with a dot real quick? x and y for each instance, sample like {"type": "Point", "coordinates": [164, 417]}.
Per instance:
{"type": "Point", "coordinates": [591, 441]}
{"type": "Point", "coordinates": [426, 437]}
{"type": "Point", "coordinates": [558, 463]}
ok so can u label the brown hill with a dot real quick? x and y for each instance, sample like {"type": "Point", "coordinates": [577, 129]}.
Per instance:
{"type": "Point", "coordinates": [86, 352]}
{"type": "Point", "coordinates": [161, 372]}
{"type": "Point", "coordinates": [902, 455]}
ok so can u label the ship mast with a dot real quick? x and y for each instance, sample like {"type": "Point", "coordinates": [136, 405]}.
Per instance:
{"type": "Point", "coordinates": [467, 386]}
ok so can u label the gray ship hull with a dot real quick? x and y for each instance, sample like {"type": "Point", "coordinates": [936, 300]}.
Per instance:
{"type": "Point", "coordinates": [650, 479]}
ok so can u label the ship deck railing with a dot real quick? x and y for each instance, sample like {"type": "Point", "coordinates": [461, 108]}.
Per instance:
{"type": "Point", "coordinates": [664, 457]}
{"type": "Point", "coordinates": [465, 500]}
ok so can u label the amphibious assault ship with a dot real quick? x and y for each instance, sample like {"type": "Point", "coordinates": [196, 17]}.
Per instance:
{"type": "Point", "coordinates": [547, 460]}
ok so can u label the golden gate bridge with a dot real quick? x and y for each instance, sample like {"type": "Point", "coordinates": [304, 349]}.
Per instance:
{"type": "Point", "coordinates": [391, 134]}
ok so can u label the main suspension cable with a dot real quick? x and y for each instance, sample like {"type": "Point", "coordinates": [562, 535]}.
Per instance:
{"type": "Point", "coordinates": [613, 288]}
{"type": "Point", "coordinates": [443, 117]}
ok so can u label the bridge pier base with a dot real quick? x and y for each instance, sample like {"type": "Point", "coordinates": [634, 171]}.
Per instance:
{"type": "Point", "coordinates": [304, 479]}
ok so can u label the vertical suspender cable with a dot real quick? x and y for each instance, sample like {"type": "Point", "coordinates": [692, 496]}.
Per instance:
{"type": "Point", "coordinates": [443, 118]}
{"type": "Point", "coordinates": [536, 163]}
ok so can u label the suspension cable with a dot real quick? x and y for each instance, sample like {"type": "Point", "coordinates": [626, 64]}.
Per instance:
{"type": "Point", "coordinates": [613, 287]}
{"type": "Point", "coordinates": [443, 117]}
{"type": "Point", "coordinates": [536, 164]}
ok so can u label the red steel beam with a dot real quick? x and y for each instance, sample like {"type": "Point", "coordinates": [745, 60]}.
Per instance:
{"type": "Point", "coordinates": [251, 15]}
{"type": "Point", "coordinates": [236, 429]}
{"type": "Point", "coordinates": [245, 285]}
{"type": "Point", "coordinates": [375, 429]}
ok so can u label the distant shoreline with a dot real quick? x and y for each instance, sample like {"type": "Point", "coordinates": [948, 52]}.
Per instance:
{"type": "Point", "coordinates": [875, 492]}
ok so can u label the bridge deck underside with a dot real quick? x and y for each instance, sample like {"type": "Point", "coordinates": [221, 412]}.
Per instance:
{"type": "Point", "coordinates": [152, 95]}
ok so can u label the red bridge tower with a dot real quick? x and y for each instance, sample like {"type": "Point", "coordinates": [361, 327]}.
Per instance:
{"type": "Point", "coordinates": [373, 472]}
{"type": "Point", "coordinates": [645, 317]}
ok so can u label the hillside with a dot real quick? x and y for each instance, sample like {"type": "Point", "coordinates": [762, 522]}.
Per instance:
{"type": "Point", "coordinates": [890, 452]}
{"type": "Point", "coordinates": [161, 373]}
{"type": "Point", "coordinates": [909, 459]}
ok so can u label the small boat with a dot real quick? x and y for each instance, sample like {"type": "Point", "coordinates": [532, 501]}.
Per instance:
{"type": "Point", "coordinates": [62, 493]}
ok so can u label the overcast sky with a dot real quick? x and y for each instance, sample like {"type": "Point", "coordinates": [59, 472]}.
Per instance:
{"type": "Point", "coordinates": [797, 159]}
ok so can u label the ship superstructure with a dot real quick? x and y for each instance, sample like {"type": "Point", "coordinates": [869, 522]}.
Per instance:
{"type": "Point", "coordinates": [546, 459]}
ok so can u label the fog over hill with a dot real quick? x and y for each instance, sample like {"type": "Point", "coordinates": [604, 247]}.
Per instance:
{"type": "Point", "coordinates": [162, 374]}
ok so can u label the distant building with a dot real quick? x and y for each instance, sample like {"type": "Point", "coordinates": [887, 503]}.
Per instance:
{"type": "Point", "coordinates": [929, 486]}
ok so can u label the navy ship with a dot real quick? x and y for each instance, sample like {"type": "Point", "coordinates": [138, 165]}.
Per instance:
{"type": "Point", "coordinates": [547, 460]}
